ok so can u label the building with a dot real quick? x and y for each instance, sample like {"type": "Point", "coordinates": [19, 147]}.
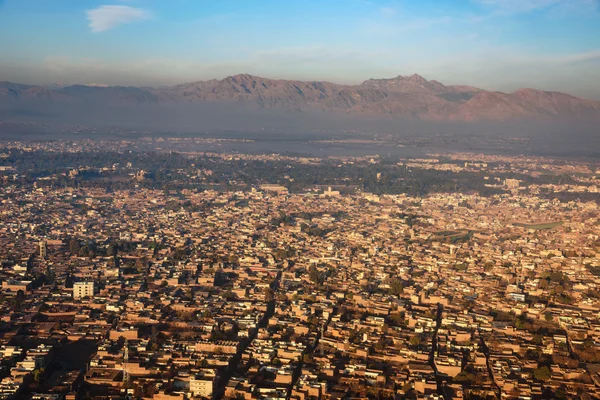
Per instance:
{"type": "Point", "coordinates": [83, 289]}
{"type": "Point", "coordinates": [512, 183]}
{"type": "Point", "coordinates": [42, 249]}
{"type": "Point", "coordinates": [14, 285]}
{"type": "Point", "coordinates": [274, 188]}
{"type": "Point", "coordinates": [202, 385]}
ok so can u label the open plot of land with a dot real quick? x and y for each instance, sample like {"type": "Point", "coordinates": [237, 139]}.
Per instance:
{"type": "Point", "coordinates": [540, 227]}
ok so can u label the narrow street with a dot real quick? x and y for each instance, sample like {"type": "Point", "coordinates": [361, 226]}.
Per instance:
{"type": "Point", "coordinates": [572, 353]}
{"type": "Point", "coordinates": [308, 351]}
{"type": "Point", "coordinates": [219, 391]}
{"type": "Point", "coordinates": [434, 344]}
{"type": "Point", "coordinates": [486, 353]}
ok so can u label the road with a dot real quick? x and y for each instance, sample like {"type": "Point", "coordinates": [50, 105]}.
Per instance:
{"type": "Point", "coordinates": [434, 344]}
{"type": "Point", "coordinates": [234, 363]}
{"type": "Point", "coordinates": [486, 352]}
{"type": "Point", "coordinates": [308, 351]}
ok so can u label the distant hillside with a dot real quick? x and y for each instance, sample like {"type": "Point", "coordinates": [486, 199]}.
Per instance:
{"type": "Point", "coordinates": [407, 97]}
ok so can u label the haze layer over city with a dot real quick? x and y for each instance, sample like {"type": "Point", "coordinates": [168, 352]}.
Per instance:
{"type": "Point", "coordinates": [299, 200]}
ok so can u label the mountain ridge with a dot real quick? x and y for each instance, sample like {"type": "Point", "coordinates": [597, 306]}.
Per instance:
{"type": "Point", "coordinates": [407, 97]}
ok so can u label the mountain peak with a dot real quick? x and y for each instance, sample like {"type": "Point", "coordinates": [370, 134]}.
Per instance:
{"type": "Point", "coordinates": [417, 78]}
{"type": "Point", "coordinates": [414, 83]}
{"type": "Point", "coordinates": [243, 78]}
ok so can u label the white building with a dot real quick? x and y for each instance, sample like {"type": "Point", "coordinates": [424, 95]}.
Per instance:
{"type": "Point", "coordinates": [512, 183]}
{"type": "Point", "coordinates": [83, 289]}
{"type": "Point", "coordinates": [202, 385]}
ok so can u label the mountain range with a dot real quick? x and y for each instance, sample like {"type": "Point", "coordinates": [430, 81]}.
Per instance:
{"type": "Point", "coordinates": [404, 97]}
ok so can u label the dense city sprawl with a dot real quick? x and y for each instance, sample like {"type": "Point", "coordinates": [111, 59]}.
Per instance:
{"type": "Point", "coordinates": [173, 275]}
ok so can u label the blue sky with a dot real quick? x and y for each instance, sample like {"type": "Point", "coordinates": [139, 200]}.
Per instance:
{"type": "Point", "coordinates": [495, 44]}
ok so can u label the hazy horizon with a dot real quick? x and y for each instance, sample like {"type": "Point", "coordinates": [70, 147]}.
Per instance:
{"type": "Point", "coordinates": [492, 44]}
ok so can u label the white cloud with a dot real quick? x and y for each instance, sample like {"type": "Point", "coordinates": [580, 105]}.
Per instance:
{"type": "Point", "coordinates": [108, 17]}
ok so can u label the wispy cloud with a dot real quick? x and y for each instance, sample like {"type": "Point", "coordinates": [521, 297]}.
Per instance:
{"type": "Point", "coordinates": [108, 17]}
{"type": "Point", "coordinates": [590, 56]}
{"type": "Point", "coordinates": [523, 6]}
{"type": "Point", "coordinates": [391, 27]}
{"type": "Point", "coordinates": [388, 11]}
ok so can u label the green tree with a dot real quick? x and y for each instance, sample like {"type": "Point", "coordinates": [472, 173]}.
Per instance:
{"type": "Point", "coordinates": [37, 374]}
{"type": "Point", "coordinates": [314, 275]}
{"type": "Point", "coordinates": [269, 294]}
{"type": "Point", "coordinates": [74, 246]}
{"type": "Point", "coordinates": [521, 323]}
{"type": "Point", "coordinates": [560, 394]}
{"type": "Point", "coordinates": [415, 340]}
{"type": "Point", "coordinates": [396, 287]}
{"type": "Point", "coordinates": [112, 249]}
{"type": "Point", "coordinates": [542, 374]}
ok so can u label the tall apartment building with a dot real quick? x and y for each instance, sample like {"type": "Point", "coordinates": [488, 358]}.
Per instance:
{"type": "Point", "coordinates": [83, 289]}
{"type": "Point", "coordinates": [43, 249]}
{"type": "Point", "coordinates": [202, 385]}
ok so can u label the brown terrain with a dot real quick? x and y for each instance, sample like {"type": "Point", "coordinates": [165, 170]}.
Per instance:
{"type": "Point", "coordinates": [411, 97]}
